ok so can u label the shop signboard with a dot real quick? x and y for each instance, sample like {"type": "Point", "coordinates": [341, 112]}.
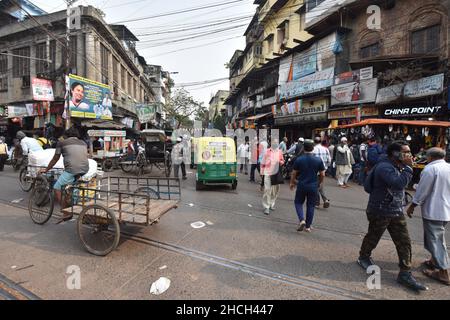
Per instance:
{"type": "Point", "coordinates": [352, 113]}
{"type": "Point", "coordinates": [145, 112]}
{"type": "Point", "coordinates": [411, 111]}
{"type": "Point", "coordinates": [390, 94]}
{"type": "Point", "coordinates": [309, 84]}
{"type": "Point", "coordinates": [42, 90]}
{"type": "Point", "coordinates": [17, 111]}
{"type": "Point", "coordinates": [425, 87]}
{"type": "Point", "coordinates": [2, 111]}
{"type": "Point", "coordinates": [354, 92]}
{"type": "Point", "coordinates": [89, 99]}
{"type": "Point", "coordinates": [354, 76]}
{"type": "Point", "coordinates": [107, 133]}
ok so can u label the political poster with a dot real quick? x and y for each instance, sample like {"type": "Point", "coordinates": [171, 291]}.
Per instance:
{"type": "Point", "coordinates": [89, 99]}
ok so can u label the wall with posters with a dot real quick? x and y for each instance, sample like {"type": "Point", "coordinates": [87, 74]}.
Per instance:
{"type": "Point", "coordinates": [89, 99]}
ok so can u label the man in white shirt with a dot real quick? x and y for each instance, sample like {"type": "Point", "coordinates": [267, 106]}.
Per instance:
{"type": "Point", "coordinates": [243, 154]}
{"type": "Point", "coordinates": [28, 144]}
{"type": "Point", "coordinates": [283, 145]}
{"type": "Point", "coordinates": [323, 153]}
{"type": "Point", "coordinates": [362, 164]}
{"type": "Point", "coordinates": [432, 195]}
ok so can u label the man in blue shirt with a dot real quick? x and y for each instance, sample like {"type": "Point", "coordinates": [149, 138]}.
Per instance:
{"type": "Point", "coordinates": [310, 172]}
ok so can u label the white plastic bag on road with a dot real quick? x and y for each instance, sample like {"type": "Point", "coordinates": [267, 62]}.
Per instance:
{"type": "Point", "coordinates": [198, 225]}
{"type": "Point", "coordinates": [160, 286]}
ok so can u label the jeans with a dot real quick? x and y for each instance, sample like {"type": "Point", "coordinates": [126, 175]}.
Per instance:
{"type": "Point", "coordinates": [434, 236]}
{"type": "Point", "coordinates": [252, 171]}
{"type": "Point", "coordinates": [362, 172]}
{"type": "Point", "coordinates": [310, 196]}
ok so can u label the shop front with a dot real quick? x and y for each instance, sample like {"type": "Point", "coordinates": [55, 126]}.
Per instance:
{"type": "Point", "coordinates": [300, 118]}
{"type": "Point", "coordinates": [352, 114]}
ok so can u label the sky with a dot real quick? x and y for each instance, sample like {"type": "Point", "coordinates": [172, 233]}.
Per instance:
{"type": "Point", "coordinates": [212, 50]}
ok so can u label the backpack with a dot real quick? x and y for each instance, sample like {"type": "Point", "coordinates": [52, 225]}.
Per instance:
{"type": "Point", "coordinates": [45, 143]}
{"type": "Point", "coordinates": [373, 155]}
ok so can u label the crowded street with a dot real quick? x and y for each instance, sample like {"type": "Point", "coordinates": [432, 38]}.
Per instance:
{"type": "Point", "coordinates": [240, 253]}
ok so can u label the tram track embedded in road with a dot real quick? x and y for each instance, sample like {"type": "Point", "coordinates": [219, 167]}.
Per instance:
{"type": "Point", "coordinates": [301, 282]}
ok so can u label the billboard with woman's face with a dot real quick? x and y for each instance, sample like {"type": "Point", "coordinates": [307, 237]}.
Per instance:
{"type": "Point", "coordinates": [89, 99]}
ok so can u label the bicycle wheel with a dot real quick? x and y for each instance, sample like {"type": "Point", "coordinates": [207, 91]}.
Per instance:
{"type": "Point", "coordinates": [126, 166]}
{"type": "Point", "coordinates": [150, 192]}
{"type": "Point", "coordinates": [41, 202]}
{"type": "Point", "coordinates": [98, 229]}
{"type": "Point", "coordinates": [108, 165]}
{"type": "Point", "coordinates": [26, 182]}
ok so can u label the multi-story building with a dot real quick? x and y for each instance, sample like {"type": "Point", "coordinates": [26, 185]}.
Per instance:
{"type": "Point", "coordinates": [97, 51]}
{"type": "Point", "coordinates": [217, 104]}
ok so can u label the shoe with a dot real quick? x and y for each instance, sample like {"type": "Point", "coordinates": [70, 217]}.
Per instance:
{"type": "Point", "coordinates": [439, 275]}
{"type": "Point", "coordinates": [365, 262]}
{"type": "Point", "coordinates": [301, 225]}
{"type": "Point", "coordinates": [308, 230]}
{"type": "Point", "coordinates": [406, 279]}
{"type": "Point", "coordinates": [317, 204]}
{"type": "Point", "coordinates": [272, 209]}
{"type": "Point", "coordinates": [184, 178]}
{"type": "Point", "coordinates": [266, 212]}
{"type": "Point", "coordinates": [326, 204]}
{"type": "Point", "coordinates": [428, 264]}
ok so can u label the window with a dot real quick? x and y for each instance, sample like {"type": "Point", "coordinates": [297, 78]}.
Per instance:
{"type": "Point", "coordinates": [283, 33]}
{"type": "Point", "coordinates": [270, 44]}
{"type": "Point", "coordinates": [21, 66]}
{"type": "Point", "coordinates": [115, 76]}
{"type": "Point", "coordinates": [3, 72]}
{"type": "Point", "coordinates": [130, 85]}
{"type": "Point", "coordinates": [311, 4]}
{"type": "Point", "coordinates": [123, 79]}
{"type": "Point", "coordinates": [53, 55]}
{"type": "Point", "coordinates": [72, 51]}
{"type": "Point", "coordinates": [104, 62]}
{"type": "Point", "coordinates": [370, 51]}
{"type": "Point", "coordinates": [41, 53]}
{"type": "Point", "coordinates": [426, 40]}
{"type": "Point", "coordinates": [258, 50]}
{"type": "Point", "coordinates": [135, 89]}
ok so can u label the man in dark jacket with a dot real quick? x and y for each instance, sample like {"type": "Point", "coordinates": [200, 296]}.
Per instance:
{"type": "Point", "coordinates": [385, 210]}
{"type": "Point", "coordinates": [374, 153]}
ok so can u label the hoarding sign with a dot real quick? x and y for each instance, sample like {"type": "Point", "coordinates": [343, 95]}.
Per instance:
{"type": "Point", "coordinates": [425, 87]}
{"type": "Point", "coordinates": [354, 92]}
{"type": "Point", "coordinates": [89, 99]}
{"type": "Point", "coordinates": [17, 111]}
{"type": "Point", "coordinates": [412, 111]}
{"type": "Point", "coordinates": [309, 84]}
{"type": "Point", "coordinates": [145, 112]}
{"type": "Point", "coordinates": [42, 90]}
{"type": "Point", "coordinates": [354, 76]}
{"type": "Point", "coordinates": [305, 63]}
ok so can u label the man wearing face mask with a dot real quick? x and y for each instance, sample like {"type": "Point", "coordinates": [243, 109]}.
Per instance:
{"type": "Point", "coordinates": [270, 165]}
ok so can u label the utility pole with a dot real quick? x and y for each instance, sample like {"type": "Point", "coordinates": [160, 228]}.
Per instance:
{"type": "Point", "coordinates": [68, 28]}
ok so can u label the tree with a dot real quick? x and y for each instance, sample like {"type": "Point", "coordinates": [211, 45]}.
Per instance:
{"type": "Point", "coordinates": [182, 107]}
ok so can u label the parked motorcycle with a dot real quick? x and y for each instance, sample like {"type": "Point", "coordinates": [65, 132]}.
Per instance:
{"type": "Point", "coordinates": [286, 170]}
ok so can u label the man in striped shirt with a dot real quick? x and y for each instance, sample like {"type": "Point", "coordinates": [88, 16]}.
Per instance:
{"type": "Point", "coordinates": [323, 153]}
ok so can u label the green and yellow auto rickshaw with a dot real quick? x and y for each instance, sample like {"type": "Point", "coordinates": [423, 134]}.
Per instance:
{"type": "Point", "coordinates": [217, 163]}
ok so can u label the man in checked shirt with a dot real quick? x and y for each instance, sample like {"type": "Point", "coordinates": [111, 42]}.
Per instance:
{"type": "Point", "coordinates": [324, 154]}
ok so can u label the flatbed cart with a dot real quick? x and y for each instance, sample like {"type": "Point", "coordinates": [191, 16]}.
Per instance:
{"type": "Point", "coordinates": [116, 201]}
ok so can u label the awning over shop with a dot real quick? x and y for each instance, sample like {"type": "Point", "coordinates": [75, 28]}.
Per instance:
{"type": "Point", "coordinates": [259, 116]}
{"type": "Point", "coordinates": [419, 123]}
{"type": "Point", "coordinates": [102, 124]}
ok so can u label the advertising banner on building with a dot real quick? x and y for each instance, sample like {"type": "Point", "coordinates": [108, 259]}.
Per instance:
{"type": "Point", "coordinates": [354, 92]}
{"type": "Point", "coordinates": [354, 76]}
{"type": "Point", "coordinates": [353, 113]}
{"type": "Point", "coordinates": [425, 87]}
{"type": "Point", "coordinates": [42, 90]}
{"type": "Point", "coordinates": [89, 99]}
{"type": "Point", "coordinates": [17, 111]}
{"type": "Point", "coordinates": [412, 89]}
{"type": "Point", "coordinates": [285, 67]}
{"type": "Point", "coordinates": [305, 63]}
{"type": "Point", "coordinates": [146, 112]}
{"type": "Point", "coordinates": [309, 84]}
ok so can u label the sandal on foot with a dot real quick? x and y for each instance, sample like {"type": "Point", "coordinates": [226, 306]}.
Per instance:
{"type": "Point", "coordinates": [429, 264]}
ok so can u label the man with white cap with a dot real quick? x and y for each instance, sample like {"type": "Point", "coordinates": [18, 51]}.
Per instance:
{"type": "Point", "coordinates": [344, 163]}
{"type": "Point", "coordinates": [178, 159]}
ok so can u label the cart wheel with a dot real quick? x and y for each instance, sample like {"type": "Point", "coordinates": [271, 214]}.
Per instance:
{"type": "Point", "coordinates": [107, 165]}
{"type": "Point", "coordinates": [150, 192]}
{"type": "Point", "coordinates": [98, 229]}
{"type": "Point", "coordinates": [26, 182]}
{"type": "Point", "coordinates": [234, 185]}
{"type": "Point", "coordinates": [127, 167]}
{"type": "Point", "coordinates": [41, 202]}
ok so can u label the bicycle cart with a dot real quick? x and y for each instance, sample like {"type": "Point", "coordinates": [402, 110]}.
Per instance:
{"type": "Point", "coordinates": [157, 152]}
{"type": "Point", "coordinates": [116, 201]}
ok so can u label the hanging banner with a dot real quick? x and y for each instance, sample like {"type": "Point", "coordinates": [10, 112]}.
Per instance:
{"type": "Point", "coordinates": [305, 62]}
{"type": "Point", "coordinates": [354, 76]}
{"type": "Point", "coordinates": [145, 112]}
{"type": "Point", "coordinates": [309, 84]}
{"type": "Point", "coordinates": [17, 111]}
{"type": "Point", "coordinates": [354, 92]}
{"type": "Point", "coordinates": [425, 87]}
{"type": "Point", "coordinates": [42, 90]}
{"type": "Point", "coordinates": [89, 99]}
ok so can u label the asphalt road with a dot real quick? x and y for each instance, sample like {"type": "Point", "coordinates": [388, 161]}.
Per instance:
{"type": "Point", "coordinates": [239, 254]}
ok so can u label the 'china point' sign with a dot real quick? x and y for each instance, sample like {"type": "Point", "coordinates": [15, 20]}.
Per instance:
{"type": "Point", "coordinates": [411, 111]}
